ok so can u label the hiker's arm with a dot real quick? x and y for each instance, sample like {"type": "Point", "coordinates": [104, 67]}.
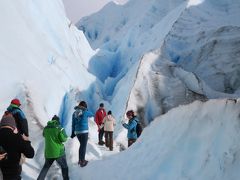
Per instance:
{"type": "Point", "coordinates": [25, 127]}
{"type": "Point", "coordinates": [26, 147]}
{"type": "Point", "coordinates": [73, 123]}
{"type": "Point", "coordinates": [90, 114]}
{"type": "Point", "coordinates": [73, 126]}
{"type": "Point", "coordinates": [22, 122]}
{"type": "Point", "coordinates": [96, 119]}
{"type": "Point", "coordinates": [62, 135]}
{"type": "Point", "coordinates": [125, 125]}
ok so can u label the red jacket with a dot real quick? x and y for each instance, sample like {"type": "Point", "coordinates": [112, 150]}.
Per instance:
{"type": "Point", "coordinates": [100, 114]}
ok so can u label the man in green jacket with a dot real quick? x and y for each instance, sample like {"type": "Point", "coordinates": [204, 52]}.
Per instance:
{"type": "Point", "coordinates": [54, 148]}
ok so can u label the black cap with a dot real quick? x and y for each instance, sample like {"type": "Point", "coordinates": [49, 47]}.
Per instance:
{"type": "Point", "coordinates": [55, 117]}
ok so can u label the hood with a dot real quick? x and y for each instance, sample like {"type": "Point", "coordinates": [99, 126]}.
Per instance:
{"type": "Point", "coordinates": [12, 107]}
{"type": "Point", "coordinates": [53, 123]}
{"type": "Point", "coordinates": [110, 118]}
{"type": "Point", "coordinates": [79, 107]}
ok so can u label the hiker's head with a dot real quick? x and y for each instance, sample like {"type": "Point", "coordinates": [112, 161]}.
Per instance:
{"type": "Point", "coordinates": [130, 114]}
{"type": "Point", "coordinates": [9, 121]}
{"type": "Point", "coordinates": [16, 102]}
{"type": "Point", "coordinates": [101, 105]}
{"type": "Point", "coordinates": [109, 112]}
{"type": "Point", "coordinates": [56, 118]}
{"type": "Point", "coordinates": [83, 104]}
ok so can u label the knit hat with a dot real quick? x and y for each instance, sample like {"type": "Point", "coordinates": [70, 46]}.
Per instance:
{"type": "Point", "coordinates": [8, 120]}
{"type": "Point", "coordinates": [55, 117]}
{"type": "Point", "coordinates": [16, 102]}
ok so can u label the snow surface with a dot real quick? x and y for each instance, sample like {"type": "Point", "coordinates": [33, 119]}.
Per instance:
{"type": "Point", "coordinates": [146, 58]}
{"type": "Point", "coordinates": [197, 141]}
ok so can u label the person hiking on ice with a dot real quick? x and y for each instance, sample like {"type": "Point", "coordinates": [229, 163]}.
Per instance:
{"type": "Point", "coordinates": [13, 145]}
{"type": "Point", "coordinates": [109, 123]}
{"type": "Point", "coordinates": [21, 121]}
{"type": "Point", "coordinates": [99, 115]}
{"type": "Point", "coordinates": [54, 136]}
{"type": "Point", "coordinates": [131, 127]}
{"type": "Point", "coordinates": [80, 129]}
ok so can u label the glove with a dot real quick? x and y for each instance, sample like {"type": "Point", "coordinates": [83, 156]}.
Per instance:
{"type": "Point", "coordinates": [72, 135]}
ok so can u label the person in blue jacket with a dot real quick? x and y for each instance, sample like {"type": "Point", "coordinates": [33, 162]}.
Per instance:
{"type": "Point", "coordinates": [131, 127]}
{"type": "Point", "coordinates": [21, 120]}
{"type": "Point", "coordinates": [80, 129]}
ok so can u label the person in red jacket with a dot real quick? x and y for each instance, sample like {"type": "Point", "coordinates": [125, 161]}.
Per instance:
{"type": "Point", "coordinates": [100, 114]}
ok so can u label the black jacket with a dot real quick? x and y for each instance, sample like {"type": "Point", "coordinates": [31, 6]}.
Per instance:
{"type": "Point", "coordinates": [20, 119]}
{"type": "Point", "coordinates": [14, 145]}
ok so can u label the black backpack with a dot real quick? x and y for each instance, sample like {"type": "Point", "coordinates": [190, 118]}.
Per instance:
{"type": "Point", "coordinates": [139, 129]}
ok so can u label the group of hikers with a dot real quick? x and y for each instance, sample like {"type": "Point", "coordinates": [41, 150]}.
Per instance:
{"type": "Point", "coordinates": [15, 145]}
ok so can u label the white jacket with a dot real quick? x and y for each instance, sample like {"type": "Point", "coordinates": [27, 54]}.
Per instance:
{"type": "Point", "coordinates": [109, 123]}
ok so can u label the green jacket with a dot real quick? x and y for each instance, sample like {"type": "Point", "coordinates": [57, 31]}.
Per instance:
{"type": "Point", "coordinates": [54, 138]}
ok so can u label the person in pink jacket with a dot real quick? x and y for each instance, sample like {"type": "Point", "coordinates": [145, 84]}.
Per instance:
{"type": "Point", "coordinates": [109, 123]}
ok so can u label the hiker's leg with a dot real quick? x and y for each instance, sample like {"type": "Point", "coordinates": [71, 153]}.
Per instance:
{"type": "Point", "coordinates": [110, 140]}
{"type": "Point", "coordinates": [83, 138]}
{"type": "Point", "coordinates": [131, 141]}
{"type": "Point", "coordinates": [47, 165]}
{"type": "Point", "coordinates": [63, 164]}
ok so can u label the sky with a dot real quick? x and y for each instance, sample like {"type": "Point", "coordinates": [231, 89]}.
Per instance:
{"type": "Point", "coordinates": [76, 9]}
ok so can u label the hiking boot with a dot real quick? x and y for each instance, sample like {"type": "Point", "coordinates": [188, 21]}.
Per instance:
{"type": "Point", "coordinates": [83, 163]}
{"type": "Point", "coordinates": [101, 143]}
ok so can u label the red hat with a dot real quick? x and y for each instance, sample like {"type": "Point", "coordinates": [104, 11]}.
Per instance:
{"type": "Point", "coordinates": [16, 102]}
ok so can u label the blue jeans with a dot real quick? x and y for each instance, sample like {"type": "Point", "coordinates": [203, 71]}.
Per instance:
{"type": "Point", "coordinates": [48, 162]}
{"type": "Point", "coordinates": [82, 138]}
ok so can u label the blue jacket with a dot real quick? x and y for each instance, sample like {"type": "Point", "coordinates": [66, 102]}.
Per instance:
{"type": "Point", "coordinates": [21, 121]}
{"type": "Point", "coordinates": [80, 120]}
{"type": "Point", "coordinates": [131, 127]}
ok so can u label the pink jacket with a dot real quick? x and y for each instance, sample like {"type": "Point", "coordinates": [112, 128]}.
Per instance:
{"type": "Point", "coordinates": [109, 123]}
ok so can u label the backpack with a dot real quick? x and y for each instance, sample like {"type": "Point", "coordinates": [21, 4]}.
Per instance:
{"type": "Point", "coordinates": [10, 114]}
{"type": "Point", "coordinates": [139, 129]}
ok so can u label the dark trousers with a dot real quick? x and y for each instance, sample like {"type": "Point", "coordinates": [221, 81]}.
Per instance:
{"type": "Point", "coordinates": [11, 175]}
{"type": "Point", "coordinates": [100, 135]}
{"type": "Point", "coordinates": [109, 139]}
{"type": "Point", "coordinates": [82, 138]}
{"type": "Point", "coordinates": [48, 162]}
{"type": "Point", "coordinates": [131, 141]}
{"type": "Point", "coordinates": [17, 177]}
{"type": "Point", "coordinates": [12, 178]}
